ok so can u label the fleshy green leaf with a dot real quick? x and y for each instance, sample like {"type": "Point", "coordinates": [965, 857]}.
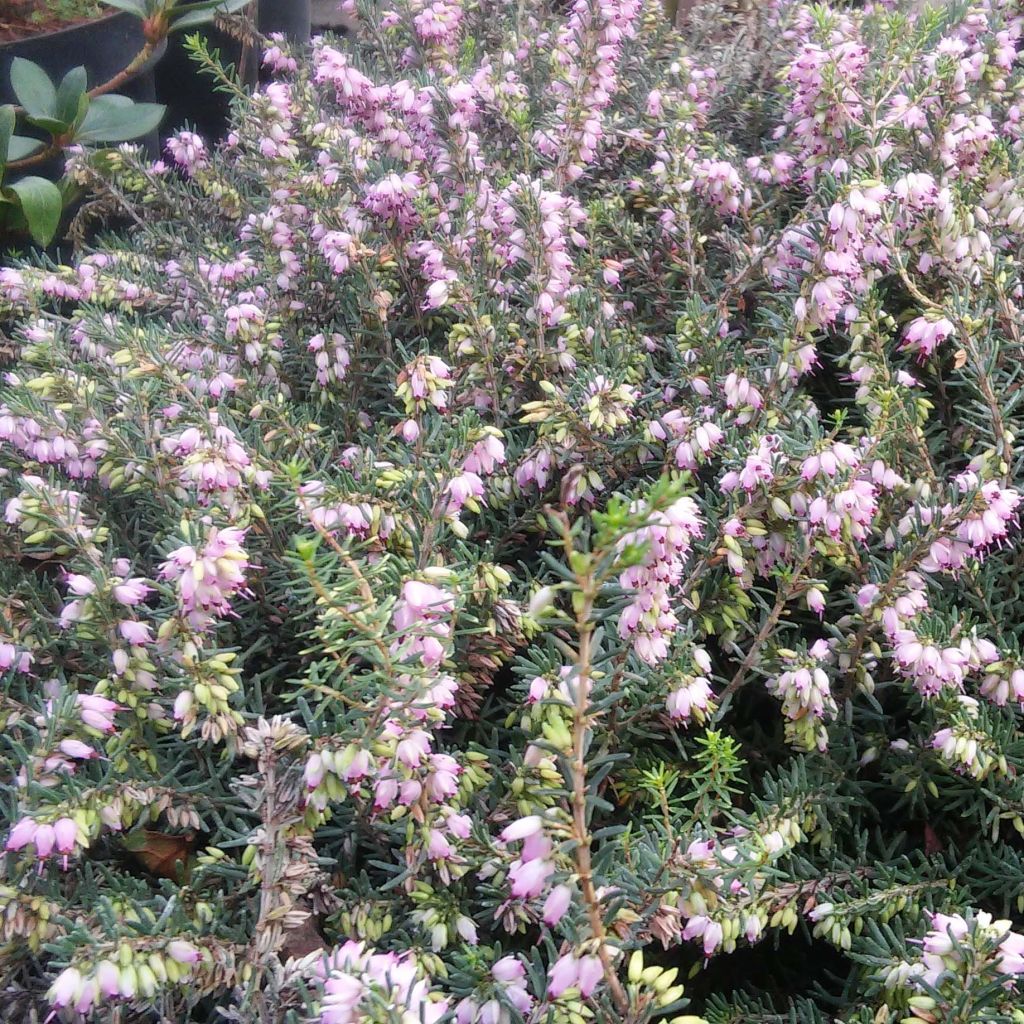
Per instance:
{"type": "Point", "coordinates": [195, 14]}
{"type": "Point", "coordinates": [22, 146]}
{"type": "Point", "coordinates": [41, 204]}
{"type": "Point", "coordinates": [118, 119]}
{"type": "Point", "coordinates": [136, 7]}
{"type": "Point", "coordinates": [33, 88]}
{"type": "Point", "coordinates": [53, 125]}
{"type": "Point", "coordinates": [6, 131]}
{"type": "Point", "coordinates": [69, 94]}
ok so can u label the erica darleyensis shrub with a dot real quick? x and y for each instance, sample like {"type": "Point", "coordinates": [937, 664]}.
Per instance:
{"type": "Point", "coordinates": [528, 523]}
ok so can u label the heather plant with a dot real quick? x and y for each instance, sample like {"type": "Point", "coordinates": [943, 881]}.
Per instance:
{"type": "Point", "coordinates": [526, 531]}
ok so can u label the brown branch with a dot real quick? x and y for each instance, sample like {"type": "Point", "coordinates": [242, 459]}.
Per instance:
{"type": "Point", "coordinates": [784, 594]}
{"type": "Point", "coordinates": [580, 828]}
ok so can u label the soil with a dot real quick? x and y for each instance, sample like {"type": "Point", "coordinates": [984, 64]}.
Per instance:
{"type": "Point", "coordinates": [20, 19]}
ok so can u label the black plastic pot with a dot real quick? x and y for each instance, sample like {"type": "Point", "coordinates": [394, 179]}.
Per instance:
{"type": "Point", "coordinates": [292, 17]}
{"type": "Point", "coordinates": [192, 101]}
{"type": "Point", "coordinates": [191, 98]}
{"type": "Point", "coordinates": [103, 47]}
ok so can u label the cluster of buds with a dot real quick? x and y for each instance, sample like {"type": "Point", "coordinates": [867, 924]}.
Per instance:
{"type": "Point", "coordinates": [367, 920]}
{"type": "Point", "coordinates": [806, 695]}
{"type": "Point", "coordinates": [331, 356]}
{"type": "Point", "coordinates": [608, 406]}
{"type": "Point", "coordinates": [838, 923]}
{"type": "Point", "coordinates": [650, 619]}
{"type": "Point", "coordinates": [129, 974]}
{"type": "Point", "coordinates": [719, 913]}
{"type": "Point", "coordinates": [440, 918]}
{"type": "Point", "coordinates": [956, 948]}
{"type": "Point", "coordinates": [213, 681]}
{"type": "Point", "coordinates": [214, 464]}
{"type": "Point", "coordinates": [25, 917]}
{"type": "Point", "coordinates": [44, 513]}
{"type": "Point", "coordinates": [423, 385]}
{"type": "Point", "coordinates": [967, 749]}
{"type": "Point", "coordinates": [653, 986]}
{"type": "Point", "coordinates": [207, 578]}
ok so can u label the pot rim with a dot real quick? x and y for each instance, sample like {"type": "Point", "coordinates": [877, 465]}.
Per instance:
{"type": "Point", "coordinates": [67, 30]}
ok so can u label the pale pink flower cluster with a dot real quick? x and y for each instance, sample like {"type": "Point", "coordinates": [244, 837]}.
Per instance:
{"type": "Point", "coordinates": [14, 655]}
{"type": "Point", "coordinates": [404, 769]}
{"type": "Point", "coordinates": [692, 696]}
{"type": "Point", "coordinates": [59, 837]}
{"type": "Point", "coordinates": [357, 979]}
{"type": "Point", "coordinates": [393, 120]}
{"type": "Point", "coordinates": [924, 334]}
{"type": "Point", "coordinates": [467, 487]}
{"type": "Point", "coordinates": [956, 946]}
{"type": "Point", "coordinates": [843, 264]}
{"type": "Point", "coordinates": [930, 666]}
{"type": "Point", "coordinates": [825, 101]}
{"type": "Point", "coordinates": [55, 443]}
{"type": "Point", "coordinates": [1003, 682]}
{"type": "Point", "coordinates": [541, 687]}
{"type": "Point", "coordinates": [828, 460]}
{"type": "Point", "coordinates": [528, 874]}
{"type": "Point", "coordinates": [535, 469]}
{"type": "Point", "coordinates": [757, 471]}
{"type": "Point", "coordinates": [214, 463]}
{"type": "Point", "coordinates": [986, 522]}
{"type": "Point", "coordinates": [325, 512]}
{"type": "Point", "coordinates": [572, 972]}
{"type": "Point", "coordinates": [188, 151]}
{"type": "Point", "coordinates": [442, 278]}
{"type": "Point", "coordinates": [742, 397]}
{"type": "Point", "coordinates": [89, 595]}
{"type": "Point", "coordinates": [393, 199]}
{"type": "Point", "coordinates": [561, 218]}
{"type": "Point", "coordinates": [83, 988]}
{"type": "Point", "coordinates": [275, 57]}
{"type": "Point", "coordinates": [338, 248]}
{"type": "Point", "coordinates": [331, 356]}
{"type": "Point", "coordinates": [63, 506]}
{"type": "Point", "coordinates": [423, 619]}
{"type": "Point", "coordinates": [507, 980]}
{"type": "Point", "coordinates": [710, 858]}
{"type": "Point", "coordinates": [851, 506]}
{"type": "Point", "coordinates": [275, 103]}
{"type": "Point", "coordinates": [776, 169]}
{"type": "Point", "coordinates": [588, 50]}
{"type": "Point", "coordinates": [46, 769]}
{"type": "Point", "coordinates": [718, 183]}
{"type": "Point", "coordinates": [208, 577]}
{"type": "Point", "coordinates": [423, 384]}
{"type": "Point", "coordinates": [649, 621]}
{"type": "Point", "coordinates": [96, 712]}
{"type": "Point", "coordinates": [805, 691]}
{"type": "Point", "coordinates": [438, 23]}
{"type": "Point", "coordinates": [692, 441]}
{"type": "Point", "coordinates": [966, 750]}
